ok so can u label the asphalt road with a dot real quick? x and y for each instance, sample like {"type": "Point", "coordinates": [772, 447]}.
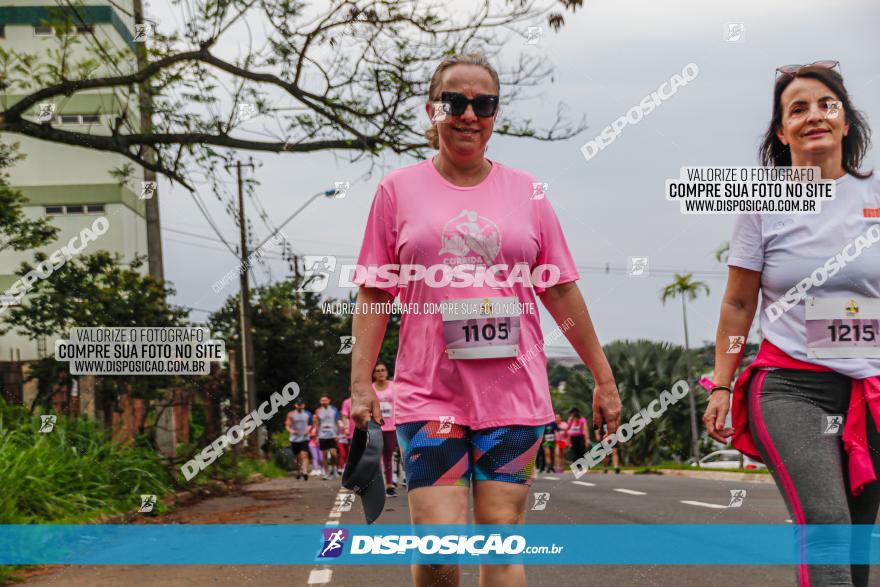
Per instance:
{"type": "Point", "coordinates": [596, 499]}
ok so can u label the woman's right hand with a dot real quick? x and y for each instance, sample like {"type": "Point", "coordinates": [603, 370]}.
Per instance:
{"type": "Point", "coordinates": [364, 405]}
{"type": "Point", "coordinates": [716, 414]}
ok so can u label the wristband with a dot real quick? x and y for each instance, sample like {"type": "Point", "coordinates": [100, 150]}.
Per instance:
{"type": "Point", "coordinates": [719, 388]}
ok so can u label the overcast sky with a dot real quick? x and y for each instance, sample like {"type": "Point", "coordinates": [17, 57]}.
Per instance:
{"type": "Point", "coordinates": [609, 56]}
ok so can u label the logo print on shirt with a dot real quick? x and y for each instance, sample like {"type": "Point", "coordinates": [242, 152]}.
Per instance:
{"type": "Point", "coordinates": [852, 308]}
{"type": "Point", "coordinates": [468, 233]}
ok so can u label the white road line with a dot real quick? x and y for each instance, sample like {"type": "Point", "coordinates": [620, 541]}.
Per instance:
{"type": "Point", "coordinates": [584, 483]}
{"type": "Point", "coordinates": [630, 492]}
{"type": "Point", "coordinates": [320, 576]}
{"type": "Point", "coordinates": [705, 505]}
{"type": "Point", "coordinates": [549, 478]}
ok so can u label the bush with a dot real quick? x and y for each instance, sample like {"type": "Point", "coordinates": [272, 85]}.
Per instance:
{"type": "Point", "coordinates": [72, 474]}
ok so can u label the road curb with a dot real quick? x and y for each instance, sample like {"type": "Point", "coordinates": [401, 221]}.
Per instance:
{"type": "Point", "coordinates": [718, 475]}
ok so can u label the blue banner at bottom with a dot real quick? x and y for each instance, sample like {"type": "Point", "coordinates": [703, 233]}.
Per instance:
{"type": "Point", "coordinates": [570, 544]}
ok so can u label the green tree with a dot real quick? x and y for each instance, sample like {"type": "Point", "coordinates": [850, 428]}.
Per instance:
{"type": "Point", "coordinates": [684, 287]}
{"type": "Point", "coordinates": [17, 232]}
{"type": "Point", "coordinates": [295, 340]}
{"type": "Point", "coordinates": [348, 76]}
{"type": "Point", "coordinates": [97, 290]}
{"type": "Point", "coordinates": [722, 252]}
{"type": "Point", "coordinates": [642, 370]}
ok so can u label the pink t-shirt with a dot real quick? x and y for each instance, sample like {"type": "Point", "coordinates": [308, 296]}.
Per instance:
{"type": "Point", "coordinates": [419, 218]}
{"type": "Point", "coordinates": [577, 427]}
{"type": "Point", "coordinates": [345, 410]}
{"type": "Point", "coordinates": [386, 402]}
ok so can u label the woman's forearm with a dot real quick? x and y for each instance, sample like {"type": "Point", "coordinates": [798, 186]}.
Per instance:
{"type": "Point", "coordinates": [736, 319]}
{"type": "Point", "coordinates": [566, 304]}
{"type": "Point", "coordinates": [368, 328]}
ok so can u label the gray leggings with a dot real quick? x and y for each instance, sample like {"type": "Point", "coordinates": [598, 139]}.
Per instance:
{"type": "Point", "coordinates": [789, 414]}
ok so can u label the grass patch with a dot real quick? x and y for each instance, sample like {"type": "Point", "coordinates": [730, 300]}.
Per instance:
{"type": "Point", "coordinates": [75, 474]}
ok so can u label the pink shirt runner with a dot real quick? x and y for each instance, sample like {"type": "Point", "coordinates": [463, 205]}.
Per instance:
{"type": "Point", "coordinates": [577, 427]}
{"type": "Point", "coordinates": [386, 402]}
{"type": "Point", "coordinates": [417, 217]}
{"type": "Point", "coordinates": [345, 410]}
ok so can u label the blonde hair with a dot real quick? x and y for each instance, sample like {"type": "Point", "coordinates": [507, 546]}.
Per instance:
{"type": "Point", "coordinates": [434, 87]}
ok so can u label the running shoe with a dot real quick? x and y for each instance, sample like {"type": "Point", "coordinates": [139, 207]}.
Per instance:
{"type": "Point", "coordinates": [391, 492]}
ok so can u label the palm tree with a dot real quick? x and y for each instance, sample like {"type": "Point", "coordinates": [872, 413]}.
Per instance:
{"type": "Point", "coordinates": [683, 287]}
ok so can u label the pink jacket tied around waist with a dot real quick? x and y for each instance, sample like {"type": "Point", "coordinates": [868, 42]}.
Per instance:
{"type": "Point", "coordinates": [855, 438]}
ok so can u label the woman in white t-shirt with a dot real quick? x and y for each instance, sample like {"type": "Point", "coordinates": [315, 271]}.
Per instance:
{"type": "Point", "coordinates": [801, 405]}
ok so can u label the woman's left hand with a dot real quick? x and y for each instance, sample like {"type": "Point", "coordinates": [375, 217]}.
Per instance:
{"type": "Point", "coordinates": [606, 406]}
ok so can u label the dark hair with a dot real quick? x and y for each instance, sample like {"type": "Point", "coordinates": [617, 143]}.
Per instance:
{"type": "Point", "coordinates": [372, 377]}
{"type": "Point", "coordinates": [773, 153]}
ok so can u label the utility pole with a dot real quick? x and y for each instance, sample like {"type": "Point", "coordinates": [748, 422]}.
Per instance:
{"type": "Point", "coordinates": [247, 340]}
{"type": "Point", "coordinates": [151, 205]}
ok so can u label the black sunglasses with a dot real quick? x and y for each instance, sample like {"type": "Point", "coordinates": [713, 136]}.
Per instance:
{"type": "Point", "coordinates": [794, 69]}
{"type": "Point", "coordinates": [484, 105]}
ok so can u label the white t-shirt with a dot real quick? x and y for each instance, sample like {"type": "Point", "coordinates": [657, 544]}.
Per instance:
{"type": "Point", "coordinates": [787, 248]}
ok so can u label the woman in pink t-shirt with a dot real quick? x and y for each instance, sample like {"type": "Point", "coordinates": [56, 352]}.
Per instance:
{"type": "Point", "coordinates": [382, 387]}
{"type": "Point", "coordinates": [467, 243]}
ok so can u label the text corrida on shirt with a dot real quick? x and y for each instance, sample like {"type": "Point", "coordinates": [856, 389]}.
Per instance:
{"type": "Point", "coordinates": [442, 275]}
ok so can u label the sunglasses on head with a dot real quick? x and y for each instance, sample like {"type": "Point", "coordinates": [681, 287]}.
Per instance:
{"type": "Point", "coordinates": [484, 105]}
{"type": "Point", "coordinates": [794, 69]}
